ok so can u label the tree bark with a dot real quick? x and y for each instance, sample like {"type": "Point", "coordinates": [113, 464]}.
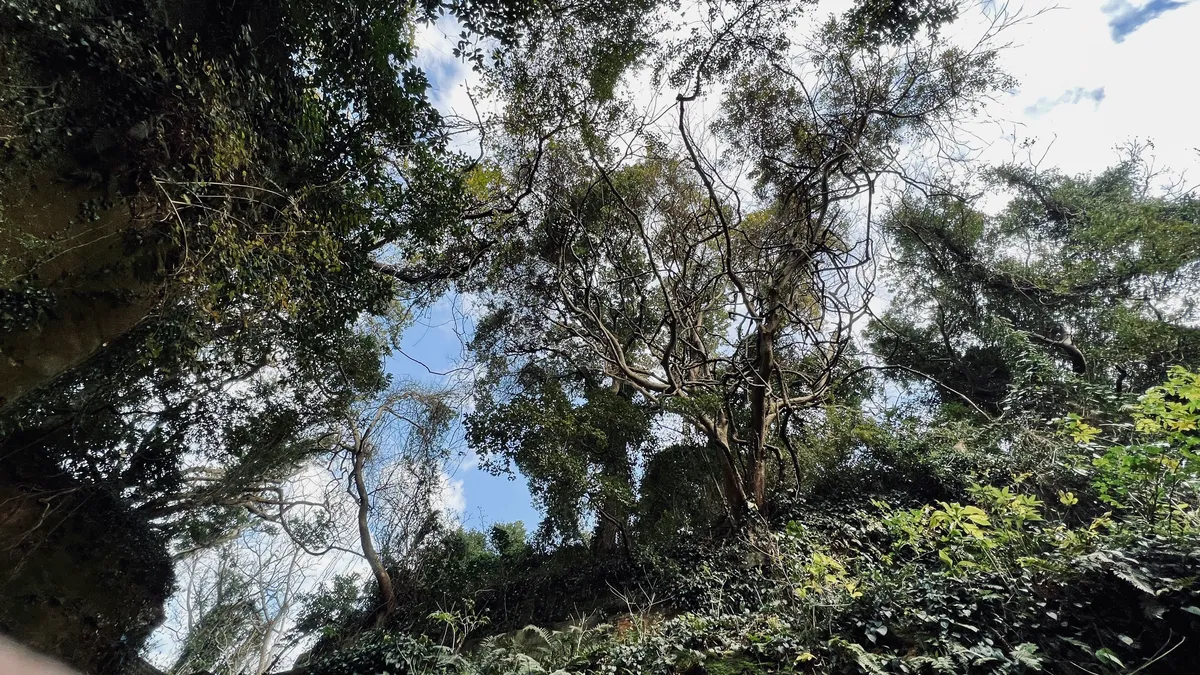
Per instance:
{"type": "Point", "coordinates": [733, 483]}
{"type": "Point", "coordinates": [613, 517]}
{"type": "Point", "coordinates": [756, 480]}
{"type": "Point", "coordinates": [387, 590]}
{"type": "Point", "coordinates": [608, 526]}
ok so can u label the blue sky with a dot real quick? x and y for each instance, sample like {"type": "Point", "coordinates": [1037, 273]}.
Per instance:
{"type": "Point", "coordinates": [1092, 73]}
{"type": "Point", "coordinates": [431, 352]}
{"type": "Point", "coordinates": [1125, 17]}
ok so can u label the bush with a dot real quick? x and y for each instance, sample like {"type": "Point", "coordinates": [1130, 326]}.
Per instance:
{"type": "Point", "coordinates": [1100, 575]}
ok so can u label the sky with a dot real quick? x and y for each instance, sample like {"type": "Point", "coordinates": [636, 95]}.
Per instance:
{"type": "Point", "coordinates": [432, 352]}
{"type": "Point", "coordinates": [1095, 73]}
{"type": "Point", "coordinates": [1092, 74]}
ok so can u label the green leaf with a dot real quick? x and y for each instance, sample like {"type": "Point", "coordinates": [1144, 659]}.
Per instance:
{"type": "Point", "coordinates": [1106, 655]}
{"type": "Point", "coordinates": [1025, 654]}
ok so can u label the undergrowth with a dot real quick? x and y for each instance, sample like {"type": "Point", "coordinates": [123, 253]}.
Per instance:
{"type": "Point", "coordinates": [1005, 579]}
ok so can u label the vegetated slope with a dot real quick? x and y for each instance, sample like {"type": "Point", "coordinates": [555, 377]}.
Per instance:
{"type": "Point", "coordinates": [1081, 560]}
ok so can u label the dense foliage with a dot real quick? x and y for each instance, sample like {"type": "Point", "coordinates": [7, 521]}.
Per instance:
{"type": "Point", "coordinates": [995, 578]}
{"type": "Point", "coordinates": [789, 395]}
{"type": "Point", "coordinates": [247, 210]}
{"type": "Point", "coordinates": [1091, 272]}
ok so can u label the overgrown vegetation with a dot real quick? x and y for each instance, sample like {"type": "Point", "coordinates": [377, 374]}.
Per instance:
{"type": "Point", "coordinates": [1011, 577]}
{"type": "Point", "coordinates": [790, 395]}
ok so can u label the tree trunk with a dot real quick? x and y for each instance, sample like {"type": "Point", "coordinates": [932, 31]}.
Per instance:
{"type": "Point", "coordinates": [613, 517]}
{"type": "Point", "coordinates": [609, 523]}
{"type": "Point", "coordinates": [756, 480]}
{"type": "Point", "coordinates": [387, 590]}
{"type": "Point", "coordinates": [733, 484]}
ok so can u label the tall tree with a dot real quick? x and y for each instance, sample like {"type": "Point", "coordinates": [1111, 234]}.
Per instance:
{"type": "Point", "coordinates": [575, 440]}
{"type": "Point", "coordinates": [393, 452]}
{"type": "Point", "coordinates": [290, 177]}
{"type": "Point", "coordinates": [730, 301]}
{"type": "Point", "coordinates": [1093, 275]}
{"type": "Point", "coordinates": [212, 169]}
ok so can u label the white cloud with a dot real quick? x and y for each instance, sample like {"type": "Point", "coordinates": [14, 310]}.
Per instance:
{"type": "Point", "coordinates": [1126, 18]}
{"type": "Point", "coordinates": [1070, 97]}
{"type": "Point", "coordinates": [451, 499]}
{"type": "Point", "coordinates": [1069, 49]}
{"type": "Point", "coordinates": [453, 83]}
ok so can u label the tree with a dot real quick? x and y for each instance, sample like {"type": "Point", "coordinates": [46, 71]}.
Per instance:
{"type": "Point", "coordinates": [183, 280]}
{"type": "Point", "coordinates": [214, 170]}
{"type": "Point", "coordinates": [393, 456]}
{"type": "Point", "coordinates": [729, 302]}
{"type": "Point", "coordinates": [236, 603]}
{"type": "Point", "coordinates": [224, 615]}
{"type": "Point", "coordinates": [257, 203]}
{"type": "Point", "coordinates": [1074, 295]}
{"type": "Point", "coordinates": [372, 497]}
{"type": "Point", "coordinates": [199, 208]}
{"type": "Point", "coordinates": [190, 453]}
{"type": "Point", "coordinates": [575, 440]}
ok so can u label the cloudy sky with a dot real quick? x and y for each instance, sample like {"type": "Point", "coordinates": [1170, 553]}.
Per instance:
{"type": "Point", "coordinates": [1092, 74]}
{"type": "Point", "coordinates": [432, 352]}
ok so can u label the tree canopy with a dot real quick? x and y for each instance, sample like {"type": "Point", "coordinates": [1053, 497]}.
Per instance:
{"type": "Point", "coordinates": [796, 382]}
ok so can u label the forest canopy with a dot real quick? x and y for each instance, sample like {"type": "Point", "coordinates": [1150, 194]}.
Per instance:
{"type": "Point", "coordinates": [797, 381]}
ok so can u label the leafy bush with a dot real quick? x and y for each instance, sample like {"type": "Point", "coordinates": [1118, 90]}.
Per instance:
{"type": "Point", "coordinates": [998, 577]}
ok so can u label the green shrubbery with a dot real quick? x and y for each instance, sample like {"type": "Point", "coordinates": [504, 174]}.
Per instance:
{"type": "Point", "coordinates": [1009, 578]}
